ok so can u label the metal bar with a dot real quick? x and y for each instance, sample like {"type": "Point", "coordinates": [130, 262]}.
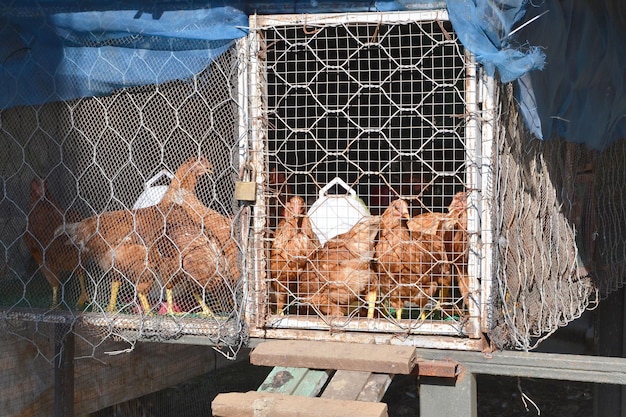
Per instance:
{"type": "Point", "coordinates": [537, 365]}
{"type": "Point", "coordinates": [64, 371]}
{"type": "Point", "coordinates": [421, 341]}
{"type": "Point", "coordinates": [359, 17]}
{"type": "Point", "coordinates": [437, 368]}
{"type": "Point", "coordinates": [443, 397]}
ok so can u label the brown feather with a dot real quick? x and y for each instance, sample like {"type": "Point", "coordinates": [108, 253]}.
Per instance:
{"type": "Point", "coordinates": [53, 253]}
{"type": "Point", "coordinates": [340, 272]}
{"type": "Point", "coordinates": [293, 243]}
{"type": "Point", "coordinates": [412, 264]}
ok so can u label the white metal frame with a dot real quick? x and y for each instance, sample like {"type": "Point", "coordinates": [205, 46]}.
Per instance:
{"type": "Point", "coordinates": [479, 139]}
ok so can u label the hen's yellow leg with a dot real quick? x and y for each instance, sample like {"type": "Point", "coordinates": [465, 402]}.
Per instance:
{"type": "Point", "coordinates": [399, 313]}
{"type": "Point", "coordinates": [55, 297]}
{"type": "Point", "coordinates": [205, 308]}
{"type": "Point", "coordinates": [145, 304]}
{"type": "Point", "coordinates": [115, 289]}
{"type": "Point", "coordinates": [169, 295]}
{"type": "Point", "coordinates": [83, 298]}
{"type": "Point", "coordinates": [371, 303]}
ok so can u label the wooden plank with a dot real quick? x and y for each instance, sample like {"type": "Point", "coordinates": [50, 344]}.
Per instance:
{"type": "Point", "coordinates": [346, 385]}
{"type": "Point", "coordinates": [295, 381]}
{"type": "Point", "coordinates": [388, 359]}
{"type": "Point", "coordinates": [375, 388]}
{"type": "Point", "coordinates": [283, 380]}
{"type": "Point", "coordinates": [312, 383]}
{"type": "Point", "coordinates": [254, 403]}
{"type": "Point", "coordinates": [356, 385]}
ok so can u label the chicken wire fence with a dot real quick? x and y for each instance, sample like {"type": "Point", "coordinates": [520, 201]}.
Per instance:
{"type": "Point", "coordinates": [118, 216]}
{"type": "Point", "coordinates": [347, 114]}
{"type": "Point", "coordinates": [357, 111]}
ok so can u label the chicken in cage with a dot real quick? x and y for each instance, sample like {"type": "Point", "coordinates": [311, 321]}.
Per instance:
{"type": "Point", "coordinates": [393, 260]}
{"type": "Point", "coordinates": [177, 240]}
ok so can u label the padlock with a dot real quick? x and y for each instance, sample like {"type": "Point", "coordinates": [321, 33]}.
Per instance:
{"type": "Point", "coordinates": [245, 191]}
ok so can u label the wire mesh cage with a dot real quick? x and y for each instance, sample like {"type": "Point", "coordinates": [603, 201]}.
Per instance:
{"type": "Point", "coordinates": [397, 198]}
{"type": "Point", "coordinates": [368, 147]}
{"type": "Point", "coordinates": [118, 214]}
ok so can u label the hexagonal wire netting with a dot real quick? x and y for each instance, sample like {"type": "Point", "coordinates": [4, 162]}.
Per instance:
{"type": "Point", "coordinates": [358, 111]}
{"type": "Point", "coordinates": [86, 238]}
{"type": "Point", "coordinates": [355, 110]}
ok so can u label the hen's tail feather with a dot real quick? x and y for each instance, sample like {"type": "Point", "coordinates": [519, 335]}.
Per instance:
{"type": "Point", "coordinates": [78, 233]}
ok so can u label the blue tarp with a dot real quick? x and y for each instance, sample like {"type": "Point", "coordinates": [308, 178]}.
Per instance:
{"type": "Point", "coordinates": [579, 93]}
{"type": "Point", "coordinates": [52, 52]}
{"type": "Point", "coordinates": [567, 65]}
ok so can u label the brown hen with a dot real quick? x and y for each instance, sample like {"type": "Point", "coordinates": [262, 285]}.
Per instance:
{"type": "Point", "coordinates": [120, 241]}
{"type": "Point", "coordinates": [451, 228]}
{"type": "Point", "coordinates": [294, 241]}
{"type": "Point", "coordinates": [182, 192]}
{"type": "Point", "coordinates": [340, 272]}
{"type": "Point", "coordinates": [188, 255]}
{"type": "Point", "coordinates": [52, 253]}
{"type": "Point", "coordinates": [412, 265]}
{"type": "Point", "coordinates": [458, 238]}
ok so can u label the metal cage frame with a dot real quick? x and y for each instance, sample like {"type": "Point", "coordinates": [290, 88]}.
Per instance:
{"type": "Point", "coordinates": [479, 138]}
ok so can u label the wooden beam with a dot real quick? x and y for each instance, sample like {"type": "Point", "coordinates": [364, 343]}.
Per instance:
{"type": "Point", "coordinates": [27, 376]}
{"type": "Point", "coordinates": [386, 359]}
{"type": "Point", "coordinates": [256, 403]}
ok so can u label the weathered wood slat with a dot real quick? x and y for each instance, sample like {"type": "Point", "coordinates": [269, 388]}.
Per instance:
{"type": "Point", "coordinates": [356, 385]}
{"type": "Point", "coordinates": [346, 385]}
{"type": "Point", "coordinates": [256, 403]}
{"type": "Point", "coordinates": [375, 388]}
{"type": "Point", "coordinates": [386, 359]}
{"type": "Point", "coordinates": [312, 384]}
{"type": "Point", "coordinates": [295, 381]}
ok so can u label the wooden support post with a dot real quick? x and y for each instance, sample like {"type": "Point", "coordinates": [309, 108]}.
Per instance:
{"type": "Point", "coordinates": [63, 370]}
{"type": "Point", "coordinates": [444, 397]}
{"type": "Point", "coordinates": [610, 338]}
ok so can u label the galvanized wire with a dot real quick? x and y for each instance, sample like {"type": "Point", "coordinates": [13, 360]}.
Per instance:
{"type": "Point", "coordinates": [97, 155]}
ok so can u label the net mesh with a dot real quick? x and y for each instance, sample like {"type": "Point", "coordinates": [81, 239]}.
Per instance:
{"type": "Point", "coordinates": [114, 204]}
{"type": "Point", "coordinates": [545, 228]}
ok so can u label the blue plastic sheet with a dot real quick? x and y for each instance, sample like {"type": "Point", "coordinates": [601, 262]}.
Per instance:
{"type": "Point", "coordinates": [580, 94]}
{"type": "Point", "coordinates": [567, 64]}
{"type": "Point", "coordinates": [484, 28]}
{"type": "Point", "coordinates": [52, 52]}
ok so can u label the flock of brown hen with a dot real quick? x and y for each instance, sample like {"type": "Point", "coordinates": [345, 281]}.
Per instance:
{"type": "Point", "coordinates": [178, 242]}
{"type": "Point", "coordinates": [389, 260]}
